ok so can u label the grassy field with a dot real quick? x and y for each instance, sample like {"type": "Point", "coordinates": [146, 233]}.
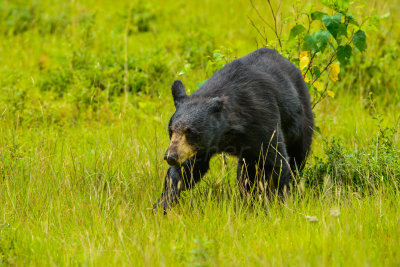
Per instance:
{"type": "Point", "coordinates": [84, 107]}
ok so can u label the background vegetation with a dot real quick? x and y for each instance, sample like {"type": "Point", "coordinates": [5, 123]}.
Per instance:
{"type": "Point", "coordinates": [84, 106]}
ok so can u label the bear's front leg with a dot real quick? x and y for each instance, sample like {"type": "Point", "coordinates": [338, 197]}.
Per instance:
{"type": "Point", "coordinates": [172, 188]}
{"type": "Point", "coordinates": [179, 178]}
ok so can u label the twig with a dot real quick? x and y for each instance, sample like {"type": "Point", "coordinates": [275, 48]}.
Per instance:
{"type": "Point", "coordinates": [333, 58]}
{"type": "Point", "coordinates": [273, 28]}
{"type": "Point", "coordinates": [309, 23]}
{"type": "Point", "coordinates": [126, 71]}
{"type": "Point", "coordinates": [264, 37]}
{"type": "Point", "coordinates": [275, 22]}
{"type": "Point", "coordinates": [322, 95]}
{"type": "Point", "coordinates": [261, 17]}
{"type": "Point", "coordinates": [309, 64]}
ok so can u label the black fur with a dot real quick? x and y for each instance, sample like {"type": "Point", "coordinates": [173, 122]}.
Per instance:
{"type": "Point", "coordinates": [256, 108]}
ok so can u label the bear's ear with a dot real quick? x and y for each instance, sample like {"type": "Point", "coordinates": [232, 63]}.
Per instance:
{"type": "Point", "coordinates": [178, 92]}
{"type": "Point", "coordinates": [216, 104]}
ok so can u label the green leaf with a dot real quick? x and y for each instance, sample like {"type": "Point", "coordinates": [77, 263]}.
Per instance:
{"type": "Point", "coordinates": [343, 4]}
{"type": "Point", "coordinates": [216, 54]}
{"type": "Point", "coordinates": [351, 20]}
{"type": "Point", "coordinates": [199, 84]}
{"type": "Point", "coordinates": [360, 40]}
{"type": "Point", "coordinates": [287, 19]}
{"type": "Point", "coordinates": [337, 17]}
{"type": "Point", "coordinates": [317, 15]}
{"type": "Point", "coordinates": [344, 54]}
{"type": "Point", "coordinates": [342, 30]}
{"type": "Point", "coordinates": [317, 72]}
{"type": "Point", "coordinates": [296, 30]}
{"type": "Point", "coordinates": [321, 39]}
{"type": "Point", "coordinates": [310, 44]}
{"type": "Point", "coordinates": [385, 16]}
{"type": "Point", "coordinates": [333, 24]}
{"type": "Point", "coordinates": [338, 5]}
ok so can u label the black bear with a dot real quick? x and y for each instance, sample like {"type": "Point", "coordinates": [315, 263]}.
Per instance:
{"type": "Point", "coordinates": [256, 108]}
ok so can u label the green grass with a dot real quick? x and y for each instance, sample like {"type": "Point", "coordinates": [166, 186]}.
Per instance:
{"type": "Point", "coordinates": [84, 107]}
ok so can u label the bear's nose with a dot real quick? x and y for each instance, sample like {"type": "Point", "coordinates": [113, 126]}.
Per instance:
{"type": "Point", "coordinates": [172, 159]}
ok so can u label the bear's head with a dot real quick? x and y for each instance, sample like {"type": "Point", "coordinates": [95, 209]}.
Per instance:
{"type": "Point", "coordinates": [195, 127]}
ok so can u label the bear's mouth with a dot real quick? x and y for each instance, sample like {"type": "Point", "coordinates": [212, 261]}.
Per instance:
{"type": "Point", "coordinates": [179, 150]}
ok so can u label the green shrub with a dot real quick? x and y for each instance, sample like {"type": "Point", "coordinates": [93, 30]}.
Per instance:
{"type": "Point", "coordinates": [363, 168]}
{"type": "Point", "coordinates": [20, 18]}
{"type": "Point", "coordinates": [319, 43]}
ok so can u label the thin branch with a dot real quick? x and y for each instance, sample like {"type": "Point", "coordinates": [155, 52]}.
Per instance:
{"type": "Point", "coordinates": [321, 96]}
{"type": "Point", "coordinates": [126, 71]}
{"type": "Point", "coordinates": [309, 23]}
{"type": "Point", "coordinates": [280, 33]}
{"type": "Point", "coordinates": [274, 28]}
{"type": "Point", "coordinates": [333, 58]}
{"type": "Point", "coordinates": [275, 23]}
{"type": "Point", "coordinates": [263, 36]}
{"type": "Point", "coordinates": [309, 64]}
{"type": "Point", "coordinates": [261, 17]}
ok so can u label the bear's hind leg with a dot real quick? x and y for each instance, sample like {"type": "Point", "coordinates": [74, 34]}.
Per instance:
{"type": "Point", "coordinates": [276, 168]}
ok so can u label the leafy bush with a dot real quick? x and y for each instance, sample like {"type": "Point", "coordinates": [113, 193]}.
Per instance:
{"type": "Point", "coordinates": [366, 167]}
{"type": "Point", "coordinates": [84, 76]}
{"type": "Point", "coordinates": [138, 18]}
{"type": "Point", "coordinates": [56, 80]}
{"type": "Point", "coordinates": [196, 46]}
{"type": "Point", "coordinates": [321, 44]}
{"type": "Point", "coordinates": [20, 18]}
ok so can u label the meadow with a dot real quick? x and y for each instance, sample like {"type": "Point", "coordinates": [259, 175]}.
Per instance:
{"type": "Point", "coordinates": [84, 107]}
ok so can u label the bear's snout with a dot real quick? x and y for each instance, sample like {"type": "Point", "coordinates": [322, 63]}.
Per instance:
{"type": "Point", "coordinates": [171, 158]}
{"type": "Point", "coordinates": [179, 150]}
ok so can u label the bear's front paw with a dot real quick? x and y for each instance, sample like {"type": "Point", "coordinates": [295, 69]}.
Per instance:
{"type": "Point", "coordinates": [161, 204]}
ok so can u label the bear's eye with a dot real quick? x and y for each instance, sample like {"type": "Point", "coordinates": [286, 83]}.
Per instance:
{"type": "Point", "coordinates": [190, 132]}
